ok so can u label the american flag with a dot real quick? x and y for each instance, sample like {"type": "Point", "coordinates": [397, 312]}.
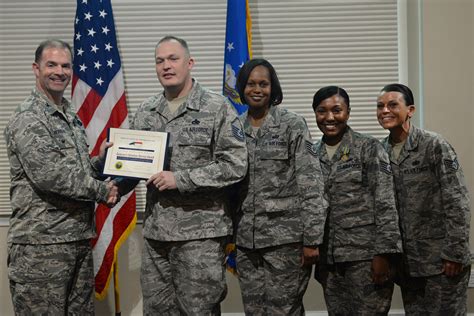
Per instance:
{"type": "Point", "coordinates": [99, 95]}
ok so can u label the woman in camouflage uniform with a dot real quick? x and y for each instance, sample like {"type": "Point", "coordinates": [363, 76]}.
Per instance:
{"type": "Point", "coordinates": [433, 205]}
{"type": "Point", "coordinates": [281, 221]}
{"type": "Point", "coordinates": [362, 231]}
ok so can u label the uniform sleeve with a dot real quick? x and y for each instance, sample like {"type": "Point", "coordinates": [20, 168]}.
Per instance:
{"type": "Point", "coordinates": [229, 160]}
{"type": "Point", "coordinates": [311, 188]}
{"type": "Point", "coordinates": [49, 167]}
{"type": "Point", "coordinates": [97, 165]}
{"type": "Point", "coordinates": [380, 178]}
{"type": "Point", "coordinates": [455, 199]}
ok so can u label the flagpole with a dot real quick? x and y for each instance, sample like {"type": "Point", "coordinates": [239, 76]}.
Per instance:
{"type": "Point", "coordinates": [116, 290]}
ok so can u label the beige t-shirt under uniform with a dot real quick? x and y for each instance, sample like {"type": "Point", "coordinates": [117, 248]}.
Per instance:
{"type": "Point", "coordinates": [174, 104]}
{"type": "Point", "coordinates": [397, 149]}
{"type": "Point", "coordinates": [331, 150]}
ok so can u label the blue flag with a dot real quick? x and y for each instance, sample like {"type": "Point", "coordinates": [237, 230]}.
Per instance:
{"type": "Point", "coordinates": [238, 41]}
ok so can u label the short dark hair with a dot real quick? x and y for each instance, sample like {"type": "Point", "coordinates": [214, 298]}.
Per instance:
{"type": "Point", "coordinates": [181, 41]}
{"type": "Point", "coordinates": [56, 43]}
{"type": "Point", "coordinates": [327, 92]}
{"type": "Point", "coordinates": [404, 90]}
{"type": "Point", "coordinates": [276, 95]}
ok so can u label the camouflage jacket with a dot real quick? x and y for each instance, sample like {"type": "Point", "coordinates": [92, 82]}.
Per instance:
{"type": "Point", "coordinates": [283, 191]}
{"type": "Point", "coordinates": [53, 189]}
{"type": "Point", "coordinates": [362, 218]}
{"type": "Point", "coordinates": [206, 153]}
{"type": "Point", "coordinates": [432, 201]}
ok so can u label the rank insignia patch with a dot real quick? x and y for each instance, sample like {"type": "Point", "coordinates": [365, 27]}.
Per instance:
{"type": "Point", "coordinates": [451, 164]}
{"type": "Point", "coordinates": [310, 147]}
{"type": "Point", "coordinates": [385, 168]}
{"type": "Point", "coordinates": [238, 133]}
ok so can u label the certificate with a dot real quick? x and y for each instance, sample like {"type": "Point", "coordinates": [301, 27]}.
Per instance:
{"type": "Point", "coordinates": [135, 153]}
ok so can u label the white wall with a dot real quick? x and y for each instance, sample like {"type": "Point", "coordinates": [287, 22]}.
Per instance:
{"type": "Point", "coordinates": [448, 77]}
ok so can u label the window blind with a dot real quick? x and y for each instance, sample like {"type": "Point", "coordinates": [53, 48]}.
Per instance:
{"type": "Point", "coordinates": [311, 43]}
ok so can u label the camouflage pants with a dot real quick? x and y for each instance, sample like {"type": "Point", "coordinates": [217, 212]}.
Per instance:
{"type": "Point", "coordinates": [183, 278]}
{"type": "Point", "coordinates": [272, 281]}
{"type": "Point", "coordinates": [53, 279]}
{"type": "Point", "coordinates": [349, 290]}
{"type": "Point", "coordinates": [434, 295]}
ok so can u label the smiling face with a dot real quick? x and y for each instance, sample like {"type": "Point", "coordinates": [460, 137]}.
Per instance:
{"type": "Point", "coordinates": [173, 67]}
{"type": "Point", "coordinates": [53, 72]}
{"type": "Point", "coordinates": [258, 88]}
{"type": "Point", "coordinates": [393, 112]}
{"type": "Point", "coordinates": [331, 116]}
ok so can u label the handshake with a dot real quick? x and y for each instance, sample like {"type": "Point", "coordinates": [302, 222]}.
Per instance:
{"type": "Point", "coordinates": [113, 195]}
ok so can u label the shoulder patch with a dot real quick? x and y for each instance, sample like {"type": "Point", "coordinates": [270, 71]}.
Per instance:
{"type": "Point", "coordinates": [238, 133]}
{"type": "Point", "coordinates": [311, 148]}
{"type": "Point", "coordinates": [451, 164]}
{"type": "Point", "coordinates": [385, 168]}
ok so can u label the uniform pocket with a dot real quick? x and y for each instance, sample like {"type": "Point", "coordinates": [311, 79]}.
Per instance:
{"type": "Point", "coordinates": [274, 153]}
{"type": "Point", "coordinates": [282, 204]}
{"type": "Point", "coordinates": [350, 173]}
{"type": "Point", "coordinates": [39, 263]}
{"type": "Point", "coordinates": [194, 144]}
{"type": "Point", "coordinates": [189, 138]}
{"type": "Point", "coordinates": [357, 220]}
{"type": "Point", "coordinates": [356, 230]}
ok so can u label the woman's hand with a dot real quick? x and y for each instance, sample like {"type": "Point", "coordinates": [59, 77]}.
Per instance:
{"type": "Point", "coordinates": [310, 256]}
{"type": "Point", "coordinates": [451, 268]}
{"type": "Point", "coordinates": [380, 269]}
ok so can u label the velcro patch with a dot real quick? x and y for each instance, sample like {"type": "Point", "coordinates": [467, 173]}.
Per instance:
{"type": "Point", "coordinates": [385, 168]}
{"type": "Point", "coordinates": [238, 133]}
{"type": "Point", "coordinates": [451, 164]}
{"type": "Point", "coordinates": [310, 148]}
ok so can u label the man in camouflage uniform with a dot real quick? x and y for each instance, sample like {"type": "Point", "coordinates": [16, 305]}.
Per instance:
{"type": "Point", "coordinates": [362, 233]}
{"type": "Point", "coordinates": [281, 221]}
{"type": "Point", "coordinates": [433, 205]}
{"type": "Point", "coordinates": [53, 194]}
{"type": "Point", "coordinates": [185, 224]}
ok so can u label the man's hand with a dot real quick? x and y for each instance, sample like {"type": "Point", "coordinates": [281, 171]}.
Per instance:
{"type": "Point", "coordinates": [103, 148]}
{"type": "Point", "coordinates": [113, 196]}
{"type": "Point", "coordinates": [163, 180]}
{"type": "Point", "coordinates": [451, 268]}
{"type": "Point", "coordinates": [310, 256]}
{"type": "Point", "coordinates": [380, 269]}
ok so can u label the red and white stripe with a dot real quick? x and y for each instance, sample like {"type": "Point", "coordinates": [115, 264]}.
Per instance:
{"type": "Point", "coordinates": [113, 226]}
